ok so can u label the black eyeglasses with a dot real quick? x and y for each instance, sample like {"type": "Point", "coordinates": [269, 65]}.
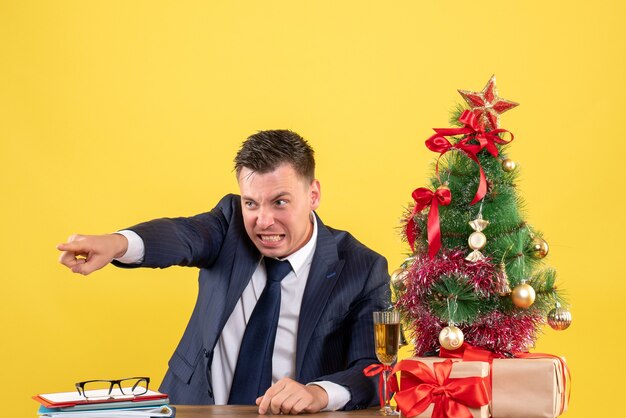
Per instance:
{"type": "Point", "coordinates": [113, 389]}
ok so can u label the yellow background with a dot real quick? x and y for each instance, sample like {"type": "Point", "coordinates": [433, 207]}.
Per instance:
{"type": "Point", "coordinates": [114, 112]}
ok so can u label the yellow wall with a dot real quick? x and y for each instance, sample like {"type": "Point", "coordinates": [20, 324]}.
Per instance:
{"type": "Point", "coordinates": [114, 112]}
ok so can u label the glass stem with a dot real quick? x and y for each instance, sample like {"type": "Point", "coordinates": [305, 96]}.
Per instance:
{"type": "Point", "coordinates": [386, 389]}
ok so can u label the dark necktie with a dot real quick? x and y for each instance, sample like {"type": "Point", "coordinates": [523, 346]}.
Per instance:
{"type": "Point", "coordinates": [253, 374]}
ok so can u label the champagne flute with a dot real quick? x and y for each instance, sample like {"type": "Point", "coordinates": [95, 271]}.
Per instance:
{"type": "Point", "coordinates": [387, 340]}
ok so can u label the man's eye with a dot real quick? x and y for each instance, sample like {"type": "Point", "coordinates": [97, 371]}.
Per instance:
{"type": "Point", "coordinates": [281, 202]}
{"type": "Point", "coordinates": [249, 205]}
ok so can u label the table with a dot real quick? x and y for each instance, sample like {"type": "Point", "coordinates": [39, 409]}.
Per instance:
{"type": "Point", "coordinates": [198, 411]}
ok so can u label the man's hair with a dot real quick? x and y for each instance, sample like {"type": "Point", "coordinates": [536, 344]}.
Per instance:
{"type": "Point", "coordinates": [265, 151]}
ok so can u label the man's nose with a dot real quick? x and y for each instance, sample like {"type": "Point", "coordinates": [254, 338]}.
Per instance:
{"type": "Point", "coordinates": [265, 218]}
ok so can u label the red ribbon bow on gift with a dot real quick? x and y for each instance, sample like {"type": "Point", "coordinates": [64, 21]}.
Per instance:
{"type": "Point", "coordinates": [378, 369]}
{"type": "Point", "coordinates": [424, 197]}
{"type": "Point", "coordinates": [451, 397]}
{"type": "Point", "coordinates": [468, 352]}
{"type": "Point", "coordinates": [473, 130]}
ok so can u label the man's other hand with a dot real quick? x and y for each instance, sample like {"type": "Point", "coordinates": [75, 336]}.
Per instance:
{"type": "Point", "coordinates": [290, 397]}
{"type": "Point", "coordinates": [85, 254]}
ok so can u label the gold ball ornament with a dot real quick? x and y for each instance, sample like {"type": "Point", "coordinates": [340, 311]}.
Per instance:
{"type": "Point", "coordinates": [397, 278]}
{"type": "Point", "coordinates": [539, 247]}
{"type": "Point", "coordinates": [443, 187]}
{"type": "Point", "coordinates": [559, 318]}
{"type": "Point", "coordinates": [508, 165]}
{"type": "Point", "coordinates": [523, 295]}
{"type": "Point", "coordinates": [451, 337]}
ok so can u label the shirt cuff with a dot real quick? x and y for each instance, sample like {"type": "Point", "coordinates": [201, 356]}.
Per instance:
{"type": "Point", "coordinates": [136, 250]}
{"type": "Point", "coordinates": [338, 396]}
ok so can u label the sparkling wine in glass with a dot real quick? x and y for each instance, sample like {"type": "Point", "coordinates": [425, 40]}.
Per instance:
{"type": "Point", "coordinates": [387, 341]}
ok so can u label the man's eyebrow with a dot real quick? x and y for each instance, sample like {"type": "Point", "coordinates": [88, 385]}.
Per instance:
{"type": "Point", "coordinates": [275, 197]}
{"type": "Point", "coordinates": [281, 194]}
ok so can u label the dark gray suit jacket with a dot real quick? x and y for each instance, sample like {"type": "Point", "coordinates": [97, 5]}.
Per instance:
{"type": "Point", "coordinates": [335, 340]}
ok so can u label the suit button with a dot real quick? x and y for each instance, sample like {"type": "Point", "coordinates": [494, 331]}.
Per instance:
{"type": "Point", "coordinates": [206, 352]}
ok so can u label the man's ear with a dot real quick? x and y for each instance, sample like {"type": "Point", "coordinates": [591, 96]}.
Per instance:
{"type": "Point", "coordinates": [315, 193]}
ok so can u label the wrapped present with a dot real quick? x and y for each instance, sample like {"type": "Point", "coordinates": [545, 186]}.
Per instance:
{"type": "Point", "coordinates": [438, 388]}
{"type": "Point", "coordinates": [531, 387]}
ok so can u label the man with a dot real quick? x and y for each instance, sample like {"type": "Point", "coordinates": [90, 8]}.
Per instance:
{"type": "Point", "coordinates": [312, 357]}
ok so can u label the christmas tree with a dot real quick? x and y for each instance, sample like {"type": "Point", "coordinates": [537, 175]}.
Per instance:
{"type": "Point", "coordinates": [476, 269]}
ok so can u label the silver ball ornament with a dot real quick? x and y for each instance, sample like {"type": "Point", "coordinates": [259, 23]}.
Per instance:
{"type": "Point", "coordinates": [559, 318]}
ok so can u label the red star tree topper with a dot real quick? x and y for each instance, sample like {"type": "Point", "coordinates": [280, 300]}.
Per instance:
{"type": "Point", "coordinates": [487, 105]}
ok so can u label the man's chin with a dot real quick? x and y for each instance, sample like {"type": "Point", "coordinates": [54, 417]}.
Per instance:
{"type": "Point", "coordinates": [274, 254]}
{"type": "Point", "coordinates": [272, 251]}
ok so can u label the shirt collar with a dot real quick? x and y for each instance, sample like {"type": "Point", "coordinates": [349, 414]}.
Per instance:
{"type": "Point", "coordinates": [304, 255]}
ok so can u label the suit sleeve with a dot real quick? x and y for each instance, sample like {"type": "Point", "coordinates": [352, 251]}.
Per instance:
{"type": "Point", "coordinates": [193, 241]}
{"type": "Point", "coordinates": [360, 351]}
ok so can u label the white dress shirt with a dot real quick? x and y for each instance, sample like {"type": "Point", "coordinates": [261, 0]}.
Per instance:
{"type": "Point", "coordinates": [227, 349]}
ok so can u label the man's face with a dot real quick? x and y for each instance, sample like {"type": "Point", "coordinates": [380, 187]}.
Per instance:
{"type": "Point", "coordinates": [277, 209]}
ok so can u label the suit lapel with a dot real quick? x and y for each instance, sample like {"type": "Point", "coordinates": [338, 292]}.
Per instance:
{"type": "Point", "coordinates": [324, 272]}
{"type": "Point", "coordinates": [245, 262]}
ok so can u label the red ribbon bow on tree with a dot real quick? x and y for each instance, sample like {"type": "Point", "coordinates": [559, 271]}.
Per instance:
{"type": "Point", "coordinates": [473, 130]}
{"type": "Point", "coordinates": [424, 197]}
{"type": "Point", "coordinates": [451, 397]}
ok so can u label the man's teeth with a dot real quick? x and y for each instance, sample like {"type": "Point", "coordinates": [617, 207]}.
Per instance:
{"type": "Point", "coordinates": [272, 238]}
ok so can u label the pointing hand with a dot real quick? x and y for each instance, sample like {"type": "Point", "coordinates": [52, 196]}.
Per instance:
{"type": "Point", "coordinates": [85, 254]}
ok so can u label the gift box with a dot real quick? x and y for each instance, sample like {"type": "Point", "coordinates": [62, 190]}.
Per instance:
{"type": "Point", "coordinates": [451, 386]}
{"type": "Point", "coordinates": [533, 386]}
{"type": "Point", "coordinates": [528, 387]}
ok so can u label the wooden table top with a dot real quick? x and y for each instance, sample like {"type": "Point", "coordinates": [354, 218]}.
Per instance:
{"type": "Point", "coordinates": [197, 411]}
